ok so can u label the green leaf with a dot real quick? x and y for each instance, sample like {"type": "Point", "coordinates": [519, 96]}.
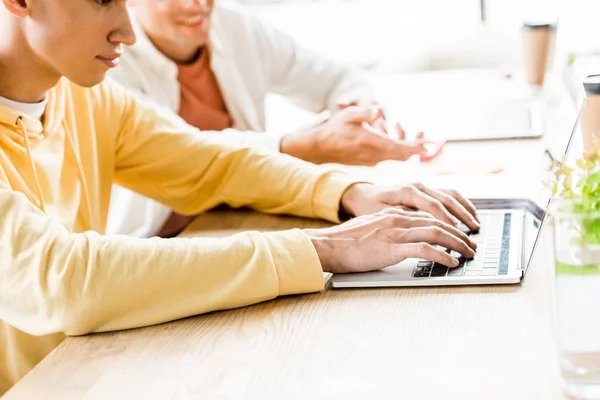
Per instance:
{"type": "Point", "coordinates": [565, 170]}
{"type": "Point", "coordinates": [584, 197]}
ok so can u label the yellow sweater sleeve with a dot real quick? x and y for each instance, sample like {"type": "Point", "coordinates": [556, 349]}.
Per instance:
{"type": "Point", "coordinates": [54, 281]}
{"type": "Point", "coordinates": [165, 159]}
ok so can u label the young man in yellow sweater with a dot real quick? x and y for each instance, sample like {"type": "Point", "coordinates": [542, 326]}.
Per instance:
{"type": "Point", "coordinates": [64, 139]}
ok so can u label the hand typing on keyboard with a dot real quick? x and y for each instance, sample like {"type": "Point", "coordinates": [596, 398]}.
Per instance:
{"type": "Point", "coordinates": [446, 205]}
{"type": "Point", "coordinates": [375, 241]}
{"type": "Point", "coordinates": [491, 258]}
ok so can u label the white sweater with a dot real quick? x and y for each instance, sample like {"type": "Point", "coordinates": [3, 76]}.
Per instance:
{"type": "Point", "coordinates": [249, 59]}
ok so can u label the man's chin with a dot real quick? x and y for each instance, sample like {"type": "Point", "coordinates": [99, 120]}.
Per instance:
{"type": "Point", "coordinates": [198, 38]}
{"type": "Point", "coordinates": [89, 80]}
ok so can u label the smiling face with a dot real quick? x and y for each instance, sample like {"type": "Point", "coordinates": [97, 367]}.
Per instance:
{"type": "Point", "coordinates": [178, 28]}
{"type": "Point", "coordinates": [78, 39]}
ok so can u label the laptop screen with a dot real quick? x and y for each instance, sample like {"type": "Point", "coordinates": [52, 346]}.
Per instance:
{"type": "Point", "coordinates": [535, 217]}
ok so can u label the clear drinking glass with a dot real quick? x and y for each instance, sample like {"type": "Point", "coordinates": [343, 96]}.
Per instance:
{"type": "Point", "coordinates": [577, 297]}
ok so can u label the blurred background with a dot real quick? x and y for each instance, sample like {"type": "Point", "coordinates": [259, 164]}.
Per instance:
{"type": "Point", "coordinates": [389, 38]}
{"type": "Point", "coordinates": [408, 36]}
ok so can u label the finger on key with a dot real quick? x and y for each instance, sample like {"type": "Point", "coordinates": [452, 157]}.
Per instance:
{"type": "Point", "coordinates": [466, 203]}
{"type": "Point", "coordinates": [425, 251]}
{"type": "Point", "coordinates": [423, 201]}
{"type": "Point", "coordinates": [425, 222]}
{"type": "Point", "coordinates": [452, 205]}
{"type": "Point", "coordinates": [434, 235]}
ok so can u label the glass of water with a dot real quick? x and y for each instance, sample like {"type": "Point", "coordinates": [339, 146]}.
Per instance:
{"type": "Point", "coordinates": [577, 297]}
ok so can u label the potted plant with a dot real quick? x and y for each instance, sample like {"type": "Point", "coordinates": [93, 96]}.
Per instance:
{"type": "Point", "coordinates": [575, 212]}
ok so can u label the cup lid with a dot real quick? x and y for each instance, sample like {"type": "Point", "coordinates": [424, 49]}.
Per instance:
{"type": "Point", "coordinates": [591, 84]}
{"type": "Point", "coordinates": [539, 25]}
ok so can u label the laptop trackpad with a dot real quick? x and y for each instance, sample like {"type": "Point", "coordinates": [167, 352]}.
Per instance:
{"type": "Point", "coordinates": [390, 276]}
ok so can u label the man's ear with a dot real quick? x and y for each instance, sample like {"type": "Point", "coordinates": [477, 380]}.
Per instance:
{"type": "Point", "coordinates": [18, 8]}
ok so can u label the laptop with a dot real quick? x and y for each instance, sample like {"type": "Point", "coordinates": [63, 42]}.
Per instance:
{"type": "Point", "coordinates": [516, 119]}
{"type": "Point", "coordinates": [510, 231]}
{"type": "Point", "coordinates": [487, 120]}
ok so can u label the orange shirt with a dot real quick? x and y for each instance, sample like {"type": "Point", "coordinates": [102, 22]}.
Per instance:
{"type": "Point", "coordinates": [201, 103]}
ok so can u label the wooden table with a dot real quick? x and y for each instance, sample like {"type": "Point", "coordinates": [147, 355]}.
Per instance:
{"type": "Point", "coordinates": [490, 342]}
{"type": "Point", "coordinates": [438, 343]}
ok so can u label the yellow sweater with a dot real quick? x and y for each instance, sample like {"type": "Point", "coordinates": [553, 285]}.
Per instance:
{"type": "Point", "coordinates": [60, 276]}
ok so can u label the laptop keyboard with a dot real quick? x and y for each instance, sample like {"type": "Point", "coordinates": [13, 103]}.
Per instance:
{"type": "Point", "coordinates": [491, 258]}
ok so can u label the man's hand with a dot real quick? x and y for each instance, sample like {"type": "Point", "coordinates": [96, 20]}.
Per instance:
{"type": "Point", "coordinates": [380, 122]}
{"type": "Point", "coordinates": [353, 136]}
{"type": "Point", "coordinates": [446, 205]}
{"type": "Point", "coordinates": [386, 238]}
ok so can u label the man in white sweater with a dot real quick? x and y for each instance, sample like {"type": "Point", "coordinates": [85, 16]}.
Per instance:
{"type": "Point", "coordinates": [214, 64]}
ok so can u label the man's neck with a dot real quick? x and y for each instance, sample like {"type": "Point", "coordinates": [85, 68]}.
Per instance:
{"type": "Point", "coordinates": [23, 77]}
{"type": "Point", "coordinates": [177, 54]}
